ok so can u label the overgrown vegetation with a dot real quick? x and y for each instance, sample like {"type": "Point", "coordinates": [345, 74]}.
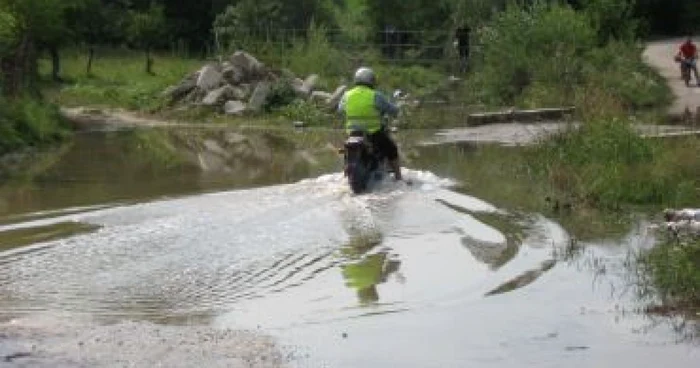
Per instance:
{"type": "Point", "coordinates": [548, 54]}
{"type": "Point", "coordinates": [27, 122]}
{"type": "Point", "coordinates": [607, 164]}
{"type": "Point", "coordinates": [673, 270]}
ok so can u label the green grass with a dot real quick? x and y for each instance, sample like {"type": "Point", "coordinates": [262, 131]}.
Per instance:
{"type": "Point", "coordinates": [118, 79]}
{"type": "Point", "coordinates": [607, 165]}
{"type": "Point", "coordinates": [29, 123]}
{"type": "Point", "coordinates": [672, 269]}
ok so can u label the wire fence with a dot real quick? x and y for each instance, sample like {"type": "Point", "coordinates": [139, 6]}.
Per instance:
{"type": "Point", "coordinates": [436, 49]}
{"type": "Point", "coordinates": [391, 46]}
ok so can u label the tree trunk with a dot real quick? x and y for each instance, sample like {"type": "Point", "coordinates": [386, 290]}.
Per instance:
{"type": "Point", "coordinates": [55, 63]}
{"type": "Point", "coordinates": [91, 56]}
{"type": "Point", "coordinates": [149, 62]}
{"type": "Point", "coordinates": [19, 69]}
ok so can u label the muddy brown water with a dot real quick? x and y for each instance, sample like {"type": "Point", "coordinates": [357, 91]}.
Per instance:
{"type": "Point", "coordinates": [106, 264]}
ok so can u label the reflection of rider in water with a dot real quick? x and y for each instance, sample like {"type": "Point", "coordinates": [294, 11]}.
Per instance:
{"type": "Point", "coordinates": [371, 270]}
{"type": "Point", "coordinates": [364, 276]}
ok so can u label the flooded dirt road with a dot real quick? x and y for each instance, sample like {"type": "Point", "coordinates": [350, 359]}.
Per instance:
{"type": "Point", "coordinates": [306, 274]}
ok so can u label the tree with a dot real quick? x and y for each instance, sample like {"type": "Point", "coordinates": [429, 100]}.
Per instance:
{"type": "Point", "coordinates": [146, 29]}
{"type": "Point", "coordinates": [40, 24]}
{"type": "Point", "coordinates": [96, 22]}
{"type": "Point", "coordinates": [664, 17]}
{"type": "Point", "coordinates": [398, 23]}
{"type": "Point", "coordinates": [613, 19]}
{"type": "Point", "coordinates": [7, 31]}
{"type": "Point", "coordinates": [32, 20]}
{"type": "Point", "coordinates": [270, 19]}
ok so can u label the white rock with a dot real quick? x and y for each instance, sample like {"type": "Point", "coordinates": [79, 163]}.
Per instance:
{"type": "Point", "coordinates": [234, 107]}
{"type": "Point", "coordinates": [337, 95]}
{"type": "Point", "coordinates": [310, 83]}
{"type": "Point", "coordinates": [248, 64]}
{"type": "Point", "coordinates": [257, 100]}
{"type": "Point", "coordinates": [218, 96]}
{"type": "Point", "coordinates": [209, 78]}
{"type": "Point", "coordinates": [298, 87]}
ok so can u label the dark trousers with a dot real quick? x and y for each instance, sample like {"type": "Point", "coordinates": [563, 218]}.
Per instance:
{"type": "Point", "coordinates": [382, 142]}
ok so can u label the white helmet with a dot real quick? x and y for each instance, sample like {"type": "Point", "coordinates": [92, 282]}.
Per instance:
{"type": "Point", "coordinates": [365, 76]}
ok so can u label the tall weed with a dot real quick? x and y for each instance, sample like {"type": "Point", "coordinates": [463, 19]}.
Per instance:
{"type": "Point", "coordinates": [27, 122]}
{"type": "Point", "coordinates": [315, 54]}
{"type": "Point", "coordinates": [607, 164]}
{"type": "Point", "coordinates": [674, 271]}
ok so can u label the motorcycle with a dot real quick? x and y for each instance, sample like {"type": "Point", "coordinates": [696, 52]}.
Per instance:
{"type": "Point", "coordinates": [364, 164]}
{"type": "Point", "coordinates": [686, 67]}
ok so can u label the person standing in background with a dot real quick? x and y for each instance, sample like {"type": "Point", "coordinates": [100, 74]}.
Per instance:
{"type": "Point", "coordinates": [462, 35]}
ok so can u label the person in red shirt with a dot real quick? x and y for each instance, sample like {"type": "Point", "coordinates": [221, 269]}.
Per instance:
{"type": "Point", "coordinates": [688, 56]}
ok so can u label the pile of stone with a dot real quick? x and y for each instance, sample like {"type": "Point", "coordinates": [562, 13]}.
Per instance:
{"type": "Point", "coordinates": [243, 84]}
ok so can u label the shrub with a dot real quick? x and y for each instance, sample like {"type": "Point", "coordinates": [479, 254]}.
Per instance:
{"type": "Point", "coordinates": [306, 112]}
{"type": "Point", "coordinates": [547, 54]}
{"type": "Point", "coordinates": [524, 48]}
{"type": "Point", "coordinates": [28, 122]}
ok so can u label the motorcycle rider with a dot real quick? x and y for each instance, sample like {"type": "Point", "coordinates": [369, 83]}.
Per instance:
{"type": "Point", "coordinates": [688, 55]}
{"type": "Point", "coordinates": [363, 107]}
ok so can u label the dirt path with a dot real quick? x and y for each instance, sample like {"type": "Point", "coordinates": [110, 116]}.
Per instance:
{"type": "Point", "coordinates": [659, 54]}
{"type": "Point", "coordinates": [86, 118]}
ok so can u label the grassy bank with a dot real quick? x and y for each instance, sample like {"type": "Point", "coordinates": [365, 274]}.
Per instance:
{"type": "Point", "coordinates": [29, 123]}
{"type": "Point", "coordinates": [504, 176]}
{"type": "Point", "coordinates": [117, 79]}
{"type": "Point", "coordinates": [606, 164]}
